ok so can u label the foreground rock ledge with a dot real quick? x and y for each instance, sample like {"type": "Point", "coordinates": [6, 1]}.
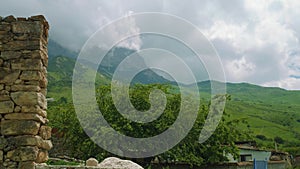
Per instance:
{"type": "Point", "coordinates": [108, 163]}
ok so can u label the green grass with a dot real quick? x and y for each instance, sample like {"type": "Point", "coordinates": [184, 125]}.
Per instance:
{"type": "Point", "coordinates": [61, 162]}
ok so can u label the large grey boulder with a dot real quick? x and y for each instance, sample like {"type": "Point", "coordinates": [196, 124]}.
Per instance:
{"type": "Point", "coordinates": [113, 162]}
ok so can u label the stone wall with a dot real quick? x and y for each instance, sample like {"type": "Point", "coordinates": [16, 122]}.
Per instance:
{"type": "Point", "coordinates": [24, 137]}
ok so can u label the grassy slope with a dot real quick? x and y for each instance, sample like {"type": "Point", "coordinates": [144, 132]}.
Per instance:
{"type": "Point", "coordinates": [269, 111]}
{"type": "Point", "coordinates": [60, 72]}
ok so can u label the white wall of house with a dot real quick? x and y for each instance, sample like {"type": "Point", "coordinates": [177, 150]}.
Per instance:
{"type": "Point", "coordinates": [249, 155]}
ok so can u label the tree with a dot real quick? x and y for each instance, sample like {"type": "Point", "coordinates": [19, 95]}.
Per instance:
{"type": "Point", "coordinates": [189, 150]}
{"type": "Point", "coordinates": [278, 140]}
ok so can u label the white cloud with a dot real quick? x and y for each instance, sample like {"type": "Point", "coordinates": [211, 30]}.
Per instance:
{"type": "Point", "coordinates": [258, 41]}
{"type": "Point", "coordinates": [287, 83]}
{"type": "Point", "coordinates": [240, 69]}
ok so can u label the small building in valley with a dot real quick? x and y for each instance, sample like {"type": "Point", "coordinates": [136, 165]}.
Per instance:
{"type": "Point", "coordinates": [249, 152]}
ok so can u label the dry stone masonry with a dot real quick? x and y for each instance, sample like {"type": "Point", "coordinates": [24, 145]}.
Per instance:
{"type": "Point", "coordinates": [24, 137]}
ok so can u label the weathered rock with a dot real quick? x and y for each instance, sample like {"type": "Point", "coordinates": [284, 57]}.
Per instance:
{"type": "Point", "coordinates": [29, 99]}
{"type": "Point", "coordinates": [37, 18]}
{"type": "Point", "coordinates": [6, 65]}
{"type": "Point", "coordinates": [32, 88]}
{"type": "Point", "coordinates": [1, 62]}
{"type": "Point", "coordinates": [5, 27]}
{"type": "Point", "coordinates": [21, 19]}
{"type": "Point", "coordinates": [4, 38]}
{"type": "Point", "coordinates": [113, 162]}
{"type": "Point", "coordinates": [7, 88]}
{"type": "Point", "coordinates": [19, 81]}
{"type": "Point", "coordinates": [43, 82]}
{"type": "Point", "coordinates": [17, 109]}
{"type": "Point", "coordinates": [32, 28]}
{"type": "Point", "coordinates": [1, 86]}
{"type": "Point", "coordinates": [19, 45]}
{"type": "Point", "coordinates": [4, 92]}
{"type": "Point", "coordinates": [3, 143]}
{"type": "Point", "coordinates": [26, 165]}
{"type": "Point", "coordinates": [1, 156]}
{"type": "Point", "coordinates": [27, 64]}
{"type": "Point", "coordinates": [34, 109]}
{"type": "Point", "coordinates": [19, 127]}
{"type": "Point", "coordinates": [25, 116]}
{"type": "Point", "coordinates": [6, 106]}
{"type": "Point", "coordinates": [46, 144]}
{"type": "Point", "coordinates": [42, 156]}
{"type": "Point", "coordinates": [31, 75]}
{"type": "Point", "coordinates": [32, 82]}
{"type": "Point", "coordinates": [23, 154]}
{"type": "Point", "coordinates": [4, 97]}
{"type": "Point", "coordinates": [44, 91]}
{"type": "Point", "coordinates": [5, 55]}
{"type": "Point", "coordinates": [30, 140]}
{"type": "Point", "coordinates": [9, 18]}
{"type": "Point", "coordinates": [91, 162]}
{"type": "Point", "coordinates": [45, 132]}
{"type": "Point", "coordinates": [8, 76]}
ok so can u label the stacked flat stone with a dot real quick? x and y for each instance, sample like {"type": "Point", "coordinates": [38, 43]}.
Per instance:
{"type": "Point", "coordinates": [24, 137]}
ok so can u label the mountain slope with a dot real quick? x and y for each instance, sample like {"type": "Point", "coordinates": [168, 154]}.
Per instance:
{"type": "Point", "coordinates": [60, 74]}
{"type": "Point", "coordinates": [55, 49]}
{"type": "Point", "coordinates": [270, 112]}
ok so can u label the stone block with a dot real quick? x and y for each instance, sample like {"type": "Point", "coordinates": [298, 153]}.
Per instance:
{"type": "Point", "coordinates": [42, 156]}
{"type": "Point", "coordinates": [23, 154]}
{"type": "Point", "coordinates": [32, 82]}
{"type": "Point", "coordinates": [4, 38]}
{"type": "Point", "coordinates": [9, 18]}
{"type": "Point", "coordinates": [29, 99]}
{"type": "Point", "coordinates": [3, 143]}
{"type": "Point", "coordinates": [26, 165]}
{"type": "Point", "coordinates": [25, 140]}
{"type": "Point", "coordinates": [5, 27]}
{"type": "Point", "coordinates": [31, 75]}
{"type": "Point", "coordinates": [38, 54]}
{"type": "Point", "coordinates": [19, 127]}
{"type": "Point", "coordinates": [32, 88]}
{"type": "Point", "coordinates": [25, 116]}
{"type": "Point", "coordinates": [8, 76]}
{"type": "Point", "coordinates": [27, 64]}
{"type": "Point", "coordinates": [43, 82]}
{"type": "Point", "coordinates": [32, 28]}
{"type": "Point", "coordinates": [30, 140]}
{"type": "Point", "coordinates": [1, 156]}
{"type": "Point", "coordinates": [46, 144]}
{"type": "Point", "coordinates": [4, 97]}
{"type": "Point", "coordinates": [6, 55]}
{"type": "Point", "coordinates": [17, 109]}
{"type": "Point", "coordinates": [45, 132]}
{"type": "Point", "coordinates": [34, 109]}
{"type": "Point", "coordinates": [21, 45]}
{"type": "Point", "coordinates": [6, 107]}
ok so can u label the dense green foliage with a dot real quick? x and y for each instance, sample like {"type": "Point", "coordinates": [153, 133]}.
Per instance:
{"type": "Point", "coordinates": [189, 150]}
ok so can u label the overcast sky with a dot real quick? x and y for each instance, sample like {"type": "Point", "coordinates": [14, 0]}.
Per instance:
{"type": "Point", "coordinates": [258, 41]}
